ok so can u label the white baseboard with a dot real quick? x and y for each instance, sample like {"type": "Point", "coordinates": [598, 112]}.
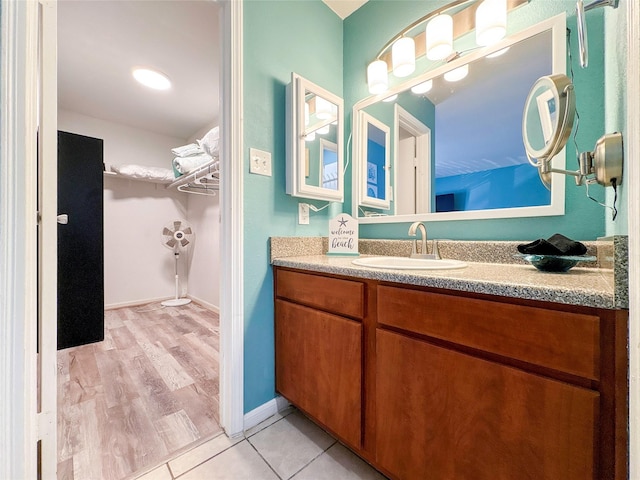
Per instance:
{"type": "Point", "coordinates": [264, 411]}
{"type": "Point", "coordinates": [135, 303]}
{"type": "Point", "coordinates": [205, 304]}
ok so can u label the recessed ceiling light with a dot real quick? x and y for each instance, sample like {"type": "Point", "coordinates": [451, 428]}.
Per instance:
{"type": "Point", "coordinates": [152, 78]}
{"type": "Point", "coordinates": [391, 98]}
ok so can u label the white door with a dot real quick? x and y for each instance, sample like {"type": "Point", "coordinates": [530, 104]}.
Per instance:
{"type": "Point", "coordinates": [406, 175]}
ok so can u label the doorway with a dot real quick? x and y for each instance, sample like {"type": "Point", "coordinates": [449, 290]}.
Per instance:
{"type": "Point", "coordinates": [154, 356]}
{"type": "Point", "coordinates": [413, 165]}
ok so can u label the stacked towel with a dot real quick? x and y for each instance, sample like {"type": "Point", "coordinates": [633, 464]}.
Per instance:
{"type": "Point", "coordinates": [187, 150]}
{"type": "Point", "coordinates": [210, 142]}
{"type": "Point", "coordinates": [555, 245]}
{"type": "Point", "coordinates": [191, 156]}
{"type": "Point", "coordinates": [185, 164]}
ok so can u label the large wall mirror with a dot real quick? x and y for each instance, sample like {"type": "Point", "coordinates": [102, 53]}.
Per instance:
{"type": "Point", "coordinates": [455, 151]}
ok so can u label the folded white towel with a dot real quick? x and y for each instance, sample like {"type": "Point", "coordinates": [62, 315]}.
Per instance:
{"type": "Point", "coordinates": [141, 172]}
{"type": "Point", "coordinates": [210, 142]}
{"type": "Point", "coordinates": [187, 150]}
{"type": "Point", "coordinates": [186, 164]}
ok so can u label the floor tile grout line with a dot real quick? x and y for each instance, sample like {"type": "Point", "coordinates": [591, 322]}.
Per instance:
{"type": "Point", "coordinates": [265, 460]}
{"type": "Point", "coordinates": [203, 462]}
{"type": "Point", "coordinates": [315, 458]}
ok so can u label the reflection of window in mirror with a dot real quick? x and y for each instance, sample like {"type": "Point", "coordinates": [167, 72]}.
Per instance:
{"type": "Point", "coordinates": [329, 164]}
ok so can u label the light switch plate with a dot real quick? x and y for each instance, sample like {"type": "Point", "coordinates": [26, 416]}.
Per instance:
{"type": "Point", "coordinates": [260, 162]}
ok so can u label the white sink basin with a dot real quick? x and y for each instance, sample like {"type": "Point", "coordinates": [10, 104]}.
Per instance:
{"type": "Point", "coordinates": [405, 263]}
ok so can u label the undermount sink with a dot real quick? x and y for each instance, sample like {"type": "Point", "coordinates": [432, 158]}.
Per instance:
{"type": "Point", "coordinates": [406, 263]}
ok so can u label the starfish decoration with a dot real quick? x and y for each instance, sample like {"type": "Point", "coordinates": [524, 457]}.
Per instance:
{"type": "Point", "coordinates": [343, 222]}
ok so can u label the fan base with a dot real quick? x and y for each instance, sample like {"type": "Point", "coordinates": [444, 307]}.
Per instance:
{"type": "Point", "coordinates": [176, 302]}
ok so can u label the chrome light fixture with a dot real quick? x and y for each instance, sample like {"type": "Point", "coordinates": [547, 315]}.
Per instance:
{"type": "Point", "coordinates": [435, 41]}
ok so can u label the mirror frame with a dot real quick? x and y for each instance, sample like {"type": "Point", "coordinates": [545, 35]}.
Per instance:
{"type": "Point", "coordinates": [295, 130]}
{"type": "Point", "coordinates": [365, 119]}
{"type": "Point", "coordinates": [557, 26]}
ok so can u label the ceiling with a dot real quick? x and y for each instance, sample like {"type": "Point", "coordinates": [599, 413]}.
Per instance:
{"type": "Point", "coordinates": [344, 8]}
{"type": "Point", "coordinates": [99, 42]}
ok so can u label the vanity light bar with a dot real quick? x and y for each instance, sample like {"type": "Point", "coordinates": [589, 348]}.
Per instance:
{"type": "Point", "coordinates": [463, 22]}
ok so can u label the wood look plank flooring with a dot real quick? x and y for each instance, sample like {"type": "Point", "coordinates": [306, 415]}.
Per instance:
{"type": "Point", "coordinates": [147, 391]}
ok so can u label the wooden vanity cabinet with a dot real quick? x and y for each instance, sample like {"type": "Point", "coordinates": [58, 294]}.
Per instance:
{"type": "Point", "coordinates": [456, 385]}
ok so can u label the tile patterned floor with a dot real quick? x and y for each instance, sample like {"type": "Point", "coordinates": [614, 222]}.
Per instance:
{"type": "Point", "coordinates": [286, 446]}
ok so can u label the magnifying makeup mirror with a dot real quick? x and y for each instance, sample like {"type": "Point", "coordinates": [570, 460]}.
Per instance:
{"type": "Point", "coordinates": [547, 122]}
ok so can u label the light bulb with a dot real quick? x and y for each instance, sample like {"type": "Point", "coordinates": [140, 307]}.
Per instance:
{"type": "Point", "coordinates": [403, 55]}
{"type": "Point", "coordinates": [439, 35]}
{"type": "Point", "coordinates": [457, 74]}
{"type": "Point", "coordinates": [323, 109]}
{"type": "Point", "coordinates": [491, 22]}
{"type": "Point", "coordinates": [377, 78]}
{"type": "Point", "coordinates": [498, 53]}
{"type": "Point", "coordinates": [423, 87]}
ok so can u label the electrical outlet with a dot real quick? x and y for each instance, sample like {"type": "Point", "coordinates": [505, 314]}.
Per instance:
{"type": "Point", "coordinates": [260, 162]}
{"type": "Point", "coordinates": [303, 214]}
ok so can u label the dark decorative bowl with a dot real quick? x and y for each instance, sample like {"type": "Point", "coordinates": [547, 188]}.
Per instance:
{"type": "Point", "coordinates": [555, 263]}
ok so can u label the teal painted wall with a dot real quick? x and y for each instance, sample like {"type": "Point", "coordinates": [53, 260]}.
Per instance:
{"type": "Point", "coordinates": [280, 37]}
{"type": "Point", "coordinates": [370, 27]}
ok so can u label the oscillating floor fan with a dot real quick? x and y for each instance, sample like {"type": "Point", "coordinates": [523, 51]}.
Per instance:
{"type": "Point", "coordinates": [176, 236]}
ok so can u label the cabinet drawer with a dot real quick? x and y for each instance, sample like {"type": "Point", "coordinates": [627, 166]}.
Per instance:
{"type": "Point", "coordinates": [344, 297]}
{"type": "Point", "coordinates": [564, 341]}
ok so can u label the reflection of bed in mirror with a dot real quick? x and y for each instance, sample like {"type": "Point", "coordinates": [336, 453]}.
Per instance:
{"type": "Point", "coordinates": [462, 140]}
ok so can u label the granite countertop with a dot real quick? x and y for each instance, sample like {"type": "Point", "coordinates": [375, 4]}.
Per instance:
{"type": "Point", "coordinates": [592, 287]}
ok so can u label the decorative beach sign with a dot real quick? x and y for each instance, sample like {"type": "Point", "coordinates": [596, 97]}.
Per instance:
{"type": "Point", "coordinates": [343, 235]}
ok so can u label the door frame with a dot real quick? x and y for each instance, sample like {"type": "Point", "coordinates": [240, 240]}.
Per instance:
{"type": "Point", "coordinates": [632, 183]}
{"type": "Point", "coordinates": [232, 221]}
{"type": "Point", "coordinates": [18, 239]}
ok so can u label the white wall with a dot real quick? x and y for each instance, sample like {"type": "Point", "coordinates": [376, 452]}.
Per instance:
{"type": "Point", "coordinates": [204, 270]}
{"type": "Point", "coordinates": [137, 267]}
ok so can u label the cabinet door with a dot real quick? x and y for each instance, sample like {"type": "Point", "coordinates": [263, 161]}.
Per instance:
{"type": "Point", "coordinates": [319, 367]}
{"type": "Point", "coordinates": [445, 415]}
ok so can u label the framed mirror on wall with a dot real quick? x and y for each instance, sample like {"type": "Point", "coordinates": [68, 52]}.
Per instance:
{"type": "Point", "coordinates": [456, 147]}
{"type": "Point", "coordinates": [314, 126]}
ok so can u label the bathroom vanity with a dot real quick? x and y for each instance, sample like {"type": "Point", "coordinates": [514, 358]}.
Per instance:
{"type": "Point", "coordinates": [489, 372]}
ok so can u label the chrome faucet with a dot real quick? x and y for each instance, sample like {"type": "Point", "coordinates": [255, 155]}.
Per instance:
{"type": "Point", "coordinates": [413, 229]}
